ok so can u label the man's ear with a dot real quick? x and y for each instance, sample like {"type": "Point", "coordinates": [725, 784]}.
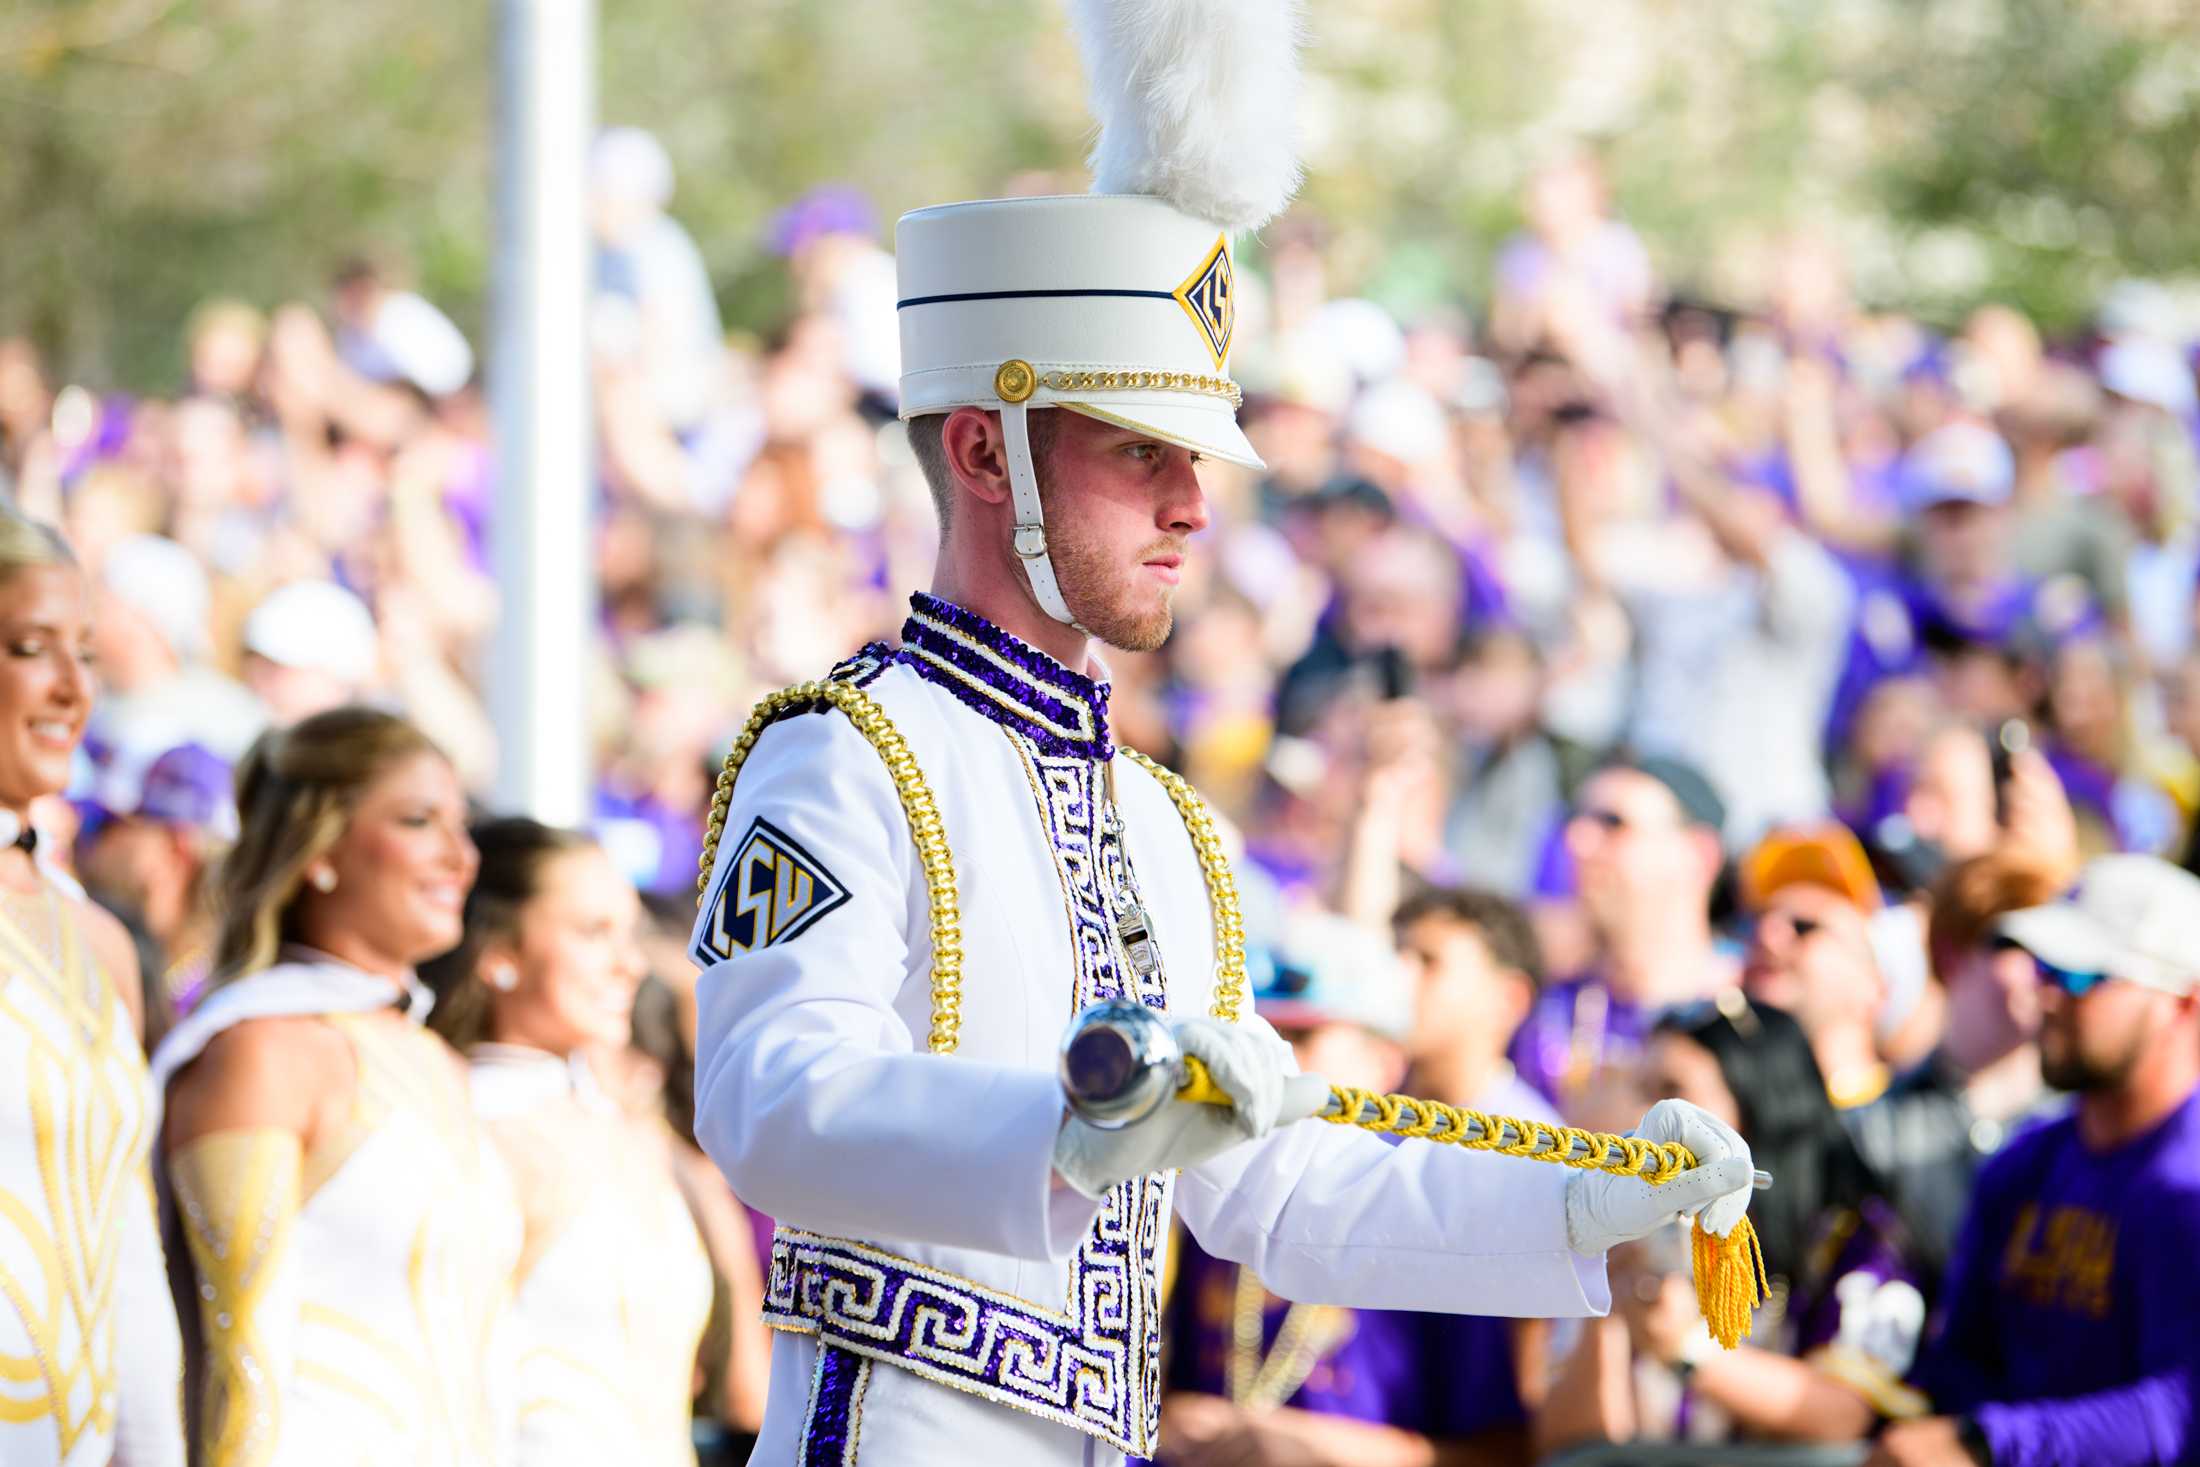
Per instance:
{"type": "Point", "coordinates": [976, 453]}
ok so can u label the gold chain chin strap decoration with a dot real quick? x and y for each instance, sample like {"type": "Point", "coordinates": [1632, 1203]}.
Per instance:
{"type": "Point", "coordinates": [925, 828]}
{"type": "Point", "coordinates": [1222, 896]}
{"type": "Point", "coordinates": [1729, 1271]}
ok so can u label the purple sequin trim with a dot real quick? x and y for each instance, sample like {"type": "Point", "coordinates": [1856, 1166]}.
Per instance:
{"type": "Point", "coordinates": [829, 1439]}
{"type": "Point", "coordinates": [1066, 699]}
{"type": "Point", "coordinates": [864, 667]}
{"type": "Point", "coordinates": [989, 1343]}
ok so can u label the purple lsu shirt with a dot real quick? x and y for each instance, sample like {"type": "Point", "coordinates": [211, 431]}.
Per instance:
{"type": "Point", "coordinates": [2072, 1319]}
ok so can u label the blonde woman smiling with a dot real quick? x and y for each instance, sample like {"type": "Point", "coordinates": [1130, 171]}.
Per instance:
{"type": "Point", "coordinates": [88, 1345]}
{"type": "Point", "coordinates": [352, 1231]}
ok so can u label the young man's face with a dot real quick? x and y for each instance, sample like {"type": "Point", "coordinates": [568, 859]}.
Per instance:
{"type": "Point", "coordinates": [1463, 992]}
{"type": "Point", "coordinates": [1120, 505]}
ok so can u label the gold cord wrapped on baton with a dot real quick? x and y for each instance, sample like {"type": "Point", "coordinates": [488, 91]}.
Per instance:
{"type": "Point", "coordinates": [1120, 1062]}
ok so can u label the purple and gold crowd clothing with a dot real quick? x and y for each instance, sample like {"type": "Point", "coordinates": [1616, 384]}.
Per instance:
{"type": "Point", "coordinates": [1446, 1376]}
{"type": "Point", "coordinates": [1577, 1030]}
{"type": "Point", "coordinates": [2072, 1319]}
{"type": "Point", "coordinates": [1857, 1312]}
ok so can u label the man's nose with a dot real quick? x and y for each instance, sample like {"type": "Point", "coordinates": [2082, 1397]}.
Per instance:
{"type": "Point", "coordinates": [1184, 507]}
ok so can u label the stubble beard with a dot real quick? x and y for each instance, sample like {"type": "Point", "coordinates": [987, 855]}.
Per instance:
{"type": "Point", "coordinates": [1105, 601]}
{"type": "Point", "coordinates": [2078, 1073]}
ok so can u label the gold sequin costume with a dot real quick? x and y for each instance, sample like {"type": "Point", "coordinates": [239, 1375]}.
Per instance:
{"type": "Point", "coordinates": [89, 1360]}
{"type": "Point", "coordinates": [614, 1287]}
{"type": "Point", "coordinates": [352, 1294]}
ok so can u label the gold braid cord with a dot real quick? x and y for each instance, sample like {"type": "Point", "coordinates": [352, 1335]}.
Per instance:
{"type": "Point", "coordinates": [917, 803]}
{"type": "Point", "coordinates": [1729, 1271]}
{"type": "Point", "coordinates": [930, 835]}
{"type": "Point", "coordinates": [1222, 894]}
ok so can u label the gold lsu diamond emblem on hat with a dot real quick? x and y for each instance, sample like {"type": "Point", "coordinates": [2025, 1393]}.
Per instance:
{"type": "Point", "coordinates": [1209, 297]}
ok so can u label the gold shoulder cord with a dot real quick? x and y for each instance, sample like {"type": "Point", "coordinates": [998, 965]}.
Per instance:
{"type": "Point", "coordinates": [930, 836]}
{"type": "Point", "coordinates": [916, 803]}
{"type": "Point", "coordinates": [1222, 894]}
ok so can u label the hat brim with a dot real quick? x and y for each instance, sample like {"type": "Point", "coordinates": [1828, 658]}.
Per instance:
{"type": "Point", "coordinates": [1204, 430]}
{"type": "Point", "coordinates": [2062, 936]}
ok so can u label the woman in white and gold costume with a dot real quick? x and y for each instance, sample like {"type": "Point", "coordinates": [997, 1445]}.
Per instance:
{"type": "Point", "coordinates": [89, 1360]}
{"type": "Point", "coordinates": [614, 1285]}
{"type": "Point", "coordinates": [352, 1230]}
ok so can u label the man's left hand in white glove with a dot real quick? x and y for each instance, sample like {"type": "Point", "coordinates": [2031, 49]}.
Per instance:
{"type": "Point", "coordinates": [1604, 1208]}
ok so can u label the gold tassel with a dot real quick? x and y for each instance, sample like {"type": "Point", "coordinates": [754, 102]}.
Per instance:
{"type": "Point", "coordinates": [1730, 1279]}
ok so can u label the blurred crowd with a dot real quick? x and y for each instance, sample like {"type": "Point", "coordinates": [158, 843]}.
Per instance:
{"type": "Point", "coordinates": [1614, 693]}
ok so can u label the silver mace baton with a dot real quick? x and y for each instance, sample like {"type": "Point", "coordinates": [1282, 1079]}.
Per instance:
{"type": "Point", "coordinates": [1120, 1063]}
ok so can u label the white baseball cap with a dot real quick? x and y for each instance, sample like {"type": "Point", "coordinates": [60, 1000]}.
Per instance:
{"type": "Point", "coordinates": [164, 582]}
{"type": "Point", "coordinates": [1965, 462]}
{"type": "Point", "coordinates": [2136, 918]}
{"type": "Point", "coordinates": [315, 625]}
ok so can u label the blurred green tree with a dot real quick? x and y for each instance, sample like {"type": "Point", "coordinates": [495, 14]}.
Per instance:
{"type": "Point", "coordinates": [154, 153]}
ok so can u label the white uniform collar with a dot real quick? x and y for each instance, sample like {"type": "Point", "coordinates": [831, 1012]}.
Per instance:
{"type": "Point", "coordinates": [519, 1069]}
{"type": "Point", "coordinates": [304, 981]}
{"type": "Point", "coordinates": [1007, 679]}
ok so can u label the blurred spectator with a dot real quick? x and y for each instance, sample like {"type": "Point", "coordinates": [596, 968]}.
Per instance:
{"type": "Point", "coordinates": [1510, 770]}
{"type": "Point", "coordinates": [1834, 1359]}
{"type": "Point", "coordinates": [153, 638]}
{"type": "Point", "coordinates": [656, 317]}
{"type": "Point", "coordinates": [309, 646]}
{"type": "Point", "coordinates": [1644, 840]}
{"type": "Point", "coordinates": [1741, 620]}
{"type": "Point", "coordinates": [1475, 969]}
{"type": "Point", "coordinates": [1982, 1083]}
{"type": "Point", "coordinates": [155, 859]}
{"type": "Point", "coordinates": [223, 344]}
{"type": "Point", "coordinates": [1256, 1379]}
{"type": "Point", "coordinates": [829, 239]}
{"type": "Point", "coordinates": [395, 337]}
{"type": "Point", "coordinates": [2067, 1337]}
{"type": "Point", "coordinates": [1576, 270]}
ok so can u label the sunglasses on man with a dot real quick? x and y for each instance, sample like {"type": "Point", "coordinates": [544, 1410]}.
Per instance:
{"type": "Point", "coordinates": [2077, 982]}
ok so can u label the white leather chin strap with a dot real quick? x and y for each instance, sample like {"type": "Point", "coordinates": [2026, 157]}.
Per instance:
{"type": "Point", "coordinates": [1031, 525]}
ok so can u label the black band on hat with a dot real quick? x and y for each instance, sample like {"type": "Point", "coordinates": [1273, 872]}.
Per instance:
{"type": "Point", "coordinates": [1030, 295]}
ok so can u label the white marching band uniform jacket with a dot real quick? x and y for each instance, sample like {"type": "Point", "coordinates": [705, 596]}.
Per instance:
{"type": "Point", "coordinates": [938, 1297]}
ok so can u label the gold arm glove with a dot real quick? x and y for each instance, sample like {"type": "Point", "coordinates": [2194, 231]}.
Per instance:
{"type": "Point", "coordinates": [238, 1193]}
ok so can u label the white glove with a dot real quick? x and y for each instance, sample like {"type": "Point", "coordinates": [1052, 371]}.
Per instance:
{"type": "Point", "coordinates": [1604, 1208]}
{"type": "Point", "coordinates": [1247, 1060]}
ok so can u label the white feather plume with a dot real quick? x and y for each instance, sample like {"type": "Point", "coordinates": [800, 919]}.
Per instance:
{"type": "Point", "coordinates": [1197, 102]}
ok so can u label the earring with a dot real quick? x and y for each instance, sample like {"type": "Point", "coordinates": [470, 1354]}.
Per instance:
{"type": "Point", "coordinates": [324, 880]}
{"type": "Point", "coordinates": [502, 978]}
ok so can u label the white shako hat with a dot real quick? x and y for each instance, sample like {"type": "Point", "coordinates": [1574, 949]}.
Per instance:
{"type": "Point", "coordinates": [1120, 304]}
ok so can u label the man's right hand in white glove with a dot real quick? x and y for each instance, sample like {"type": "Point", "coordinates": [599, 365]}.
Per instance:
{"type": "Point", "coordinates": [1248, 1061]}
{"type": "Point", "coordinates": [1604, 1208]}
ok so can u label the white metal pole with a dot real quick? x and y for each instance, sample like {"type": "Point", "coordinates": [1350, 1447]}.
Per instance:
{"type": "Point", "coordinates": [539, 391]}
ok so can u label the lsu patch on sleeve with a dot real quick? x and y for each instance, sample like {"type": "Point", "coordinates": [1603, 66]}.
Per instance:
{"type": "Point", "coordinates": [769, 890]}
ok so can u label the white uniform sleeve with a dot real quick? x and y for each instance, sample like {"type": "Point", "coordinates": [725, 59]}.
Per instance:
{"type": "Point", "coordinates": [813, 1094]}
{"type": "Point", "coordinates": [1331, 1215]}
